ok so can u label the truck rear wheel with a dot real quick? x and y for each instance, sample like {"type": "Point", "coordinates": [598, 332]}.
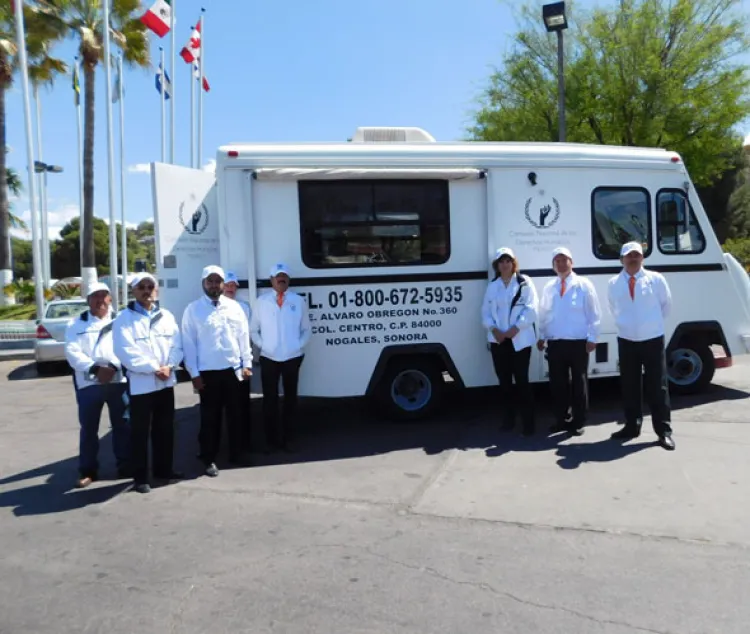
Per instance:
{"type": "Point", "coordinates": [411, 388]}
{"type": "Point", "coordinates": [690, 367]}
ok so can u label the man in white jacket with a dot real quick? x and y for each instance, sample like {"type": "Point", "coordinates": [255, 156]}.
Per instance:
{"type": "Point", "coordinates": [98, 379]}
{"type": "Point", "coordinates": [147, 342]}
{"type": "Point", "coordinates": [280, 327]}
{"type": "Point", "coordinates": [216, 340]}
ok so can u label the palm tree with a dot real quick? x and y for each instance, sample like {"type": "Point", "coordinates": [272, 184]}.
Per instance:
{"type": "Point", "coordinates": [39, 36]}
{"type": "Point", "coordinates": [83, 20]}
{"type": "Point", "coordinates": [14, 187]}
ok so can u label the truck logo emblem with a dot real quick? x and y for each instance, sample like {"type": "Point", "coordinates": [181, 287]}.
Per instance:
{"type": "Point", "coordinates": [195, 223]}
{"type": "Point", "coordinates": [543, 217]}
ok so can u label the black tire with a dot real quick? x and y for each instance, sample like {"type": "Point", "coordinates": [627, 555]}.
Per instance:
{"type": "Point", "coordinates": [690, 367]}
{"type": "Point", "coordinates": [412, 388]}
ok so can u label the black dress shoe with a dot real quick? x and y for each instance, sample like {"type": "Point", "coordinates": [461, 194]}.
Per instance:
{"type": "Point", "coordinates": [667, 442]}
{"type": "Point", "coordinates": [573, 430]}
{"type": "Point", "coordinates": [143, 487]}
{"type": "Point", "coordinates": [212, 471]}
{"type": "Point", "coordinates": [626, 433]}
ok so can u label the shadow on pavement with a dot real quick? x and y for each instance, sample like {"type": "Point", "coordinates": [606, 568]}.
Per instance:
{"type": "Point", "coordinates": [57, 493]}
{"type": "Point", "coordinates": [574, 455]}
{"type": "Point", "coordinates": [29, 371]}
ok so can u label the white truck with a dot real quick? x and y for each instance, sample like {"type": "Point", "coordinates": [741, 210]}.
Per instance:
{"type": "Point", "coordinates": [389, 237]}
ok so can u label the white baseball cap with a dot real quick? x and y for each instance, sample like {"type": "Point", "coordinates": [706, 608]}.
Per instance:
{"type": "Point", "coordinates": [231, 278]}
{"type": "Point", "coordinates": [278, 269]}
{"type": "Point", "coordinates": [211, 270]}
{"type": "Point", "coordinates": [143, 276]}
{"type": "Point", "coordinates": [562, 251]}
{"type": "Point", "coordinates": [503, 251]}
{"type": "Point", "coordinates": [97, 287]}
{"type": "Point", "coordinates": [629, 247]}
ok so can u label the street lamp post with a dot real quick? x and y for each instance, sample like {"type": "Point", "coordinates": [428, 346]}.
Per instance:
{"type": "Point", "coordinates": [555, 20]}
{"type": "Point", "coordinates": [44, 168]}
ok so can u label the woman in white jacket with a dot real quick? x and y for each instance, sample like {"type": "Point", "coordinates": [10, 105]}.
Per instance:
{"type": "Point", "coordinates": [509, 313]}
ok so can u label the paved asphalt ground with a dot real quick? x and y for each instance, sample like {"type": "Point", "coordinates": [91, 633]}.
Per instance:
{"type": "Point", "coordinates": [440, 527]}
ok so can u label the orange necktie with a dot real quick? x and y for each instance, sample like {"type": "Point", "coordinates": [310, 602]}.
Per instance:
{"type": "Point", "coordinates": [562, 288]}
{"type": "Point", "coordinates": [631, 287]}
{"type": "Point", "coordinates": [279, 299]}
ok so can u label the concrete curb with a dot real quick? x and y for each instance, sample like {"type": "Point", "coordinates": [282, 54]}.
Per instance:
{"type": "Point", "coordinates": [17, 355]}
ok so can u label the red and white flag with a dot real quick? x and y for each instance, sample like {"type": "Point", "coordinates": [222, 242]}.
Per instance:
{"type": "Point", "coordinates": [191, 52]}
{"type": "Point", "coordinates": [197, 75]}
{"type": "Point", "coordinates": [159, 17]}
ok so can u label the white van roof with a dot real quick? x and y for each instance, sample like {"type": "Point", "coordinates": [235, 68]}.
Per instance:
{"type": "Point", "coordinates": [438, 154]}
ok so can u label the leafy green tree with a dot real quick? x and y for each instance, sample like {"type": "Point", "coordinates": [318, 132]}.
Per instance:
{"type": "Point", "coordinates": [652, 73]}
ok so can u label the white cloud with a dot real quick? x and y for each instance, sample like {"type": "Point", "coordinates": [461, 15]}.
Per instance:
{"type": "Point", "coordinates": [56, 219]}
{"type": "Point", "coordinates": [210, 166]}
{"type": "Point", "coordinates": [129, 225]}
{"type": "Point", "coordinates": [140, 168]}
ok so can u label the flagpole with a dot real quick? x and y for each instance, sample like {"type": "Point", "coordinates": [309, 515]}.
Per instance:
{"type": "Point", "coordinates": [123, 229]}
{"type": "Point", "coordinates": [80, 172]}
{"type": "Point", "coordinates": [110, 161]}
{"type": "Point", "coordinates": [192, 117]}
{"type": "Point", "coordinates": [23, 67]}
{"type": "Point", "coordinates": [173, 4]}
{"type": "Point", "coordinates": [44, 240]}
{"type": "Point", "coordinates": [201, 62]}
{"type": "Point", "coordinates": [163, 107]}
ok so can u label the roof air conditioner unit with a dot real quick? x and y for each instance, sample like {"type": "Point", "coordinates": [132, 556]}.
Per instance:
{"type": "Point", "coordinates": [391, 135]}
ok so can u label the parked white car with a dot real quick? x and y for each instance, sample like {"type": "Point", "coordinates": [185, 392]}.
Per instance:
{"type": "Point", "coordinates": [49, 349]}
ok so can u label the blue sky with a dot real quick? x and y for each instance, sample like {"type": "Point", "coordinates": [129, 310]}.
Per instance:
{"type": "Point", "coordinates": [281, 70]}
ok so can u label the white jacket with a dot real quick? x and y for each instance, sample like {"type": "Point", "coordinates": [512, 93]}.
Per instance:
{"type": "Point", "coordinates": [144, 344]}
{"type": "Point", "coordinates": [215, 337]}
{"type": "Point", "coordinates": [88, 343]}
{"type": "Point", "coordinates": [497, 311]}
{"type": "Point", "coordinates": [280, 333]}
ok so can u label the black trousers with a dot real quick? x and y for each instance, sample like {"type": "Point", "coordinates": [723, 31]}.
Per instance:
{"type": "Point", "coordinates": [644, 363]}
{"type": "Point", "coordinates": [152, 415]}
{"type": "Point", "coordinates": [279, 430]}
{"type": "Point", "coordinates": [220, 394]}
{"type": "Point", "coordinates": [568, 379]}
{"type": "Point", "coordinates": [511, 364]}
{"type": "Point", "coordinates": [243, 392]}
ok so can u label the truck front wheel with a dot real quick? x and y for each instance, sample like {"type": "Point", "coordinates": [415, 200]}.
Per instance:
{"type": "Point", "coordinates": [411, 388]}
{"type": "Point", "coordinates": [690, 367]}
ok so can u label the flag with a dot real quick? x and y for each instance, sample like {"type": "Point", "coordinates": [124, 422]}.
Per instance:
{"type": "Point", "coordinates": [167, 82]}
{"type": "Point", "coordinates": [76, 86]}
{"type": "Point", "coordinates": [191, 52]}
{"type": "Point", "coordinates": [197, 75]}
{"type": "Point", "coordinates": [118, 90]}
{"type": "Point", "coordinates": [159, 17]}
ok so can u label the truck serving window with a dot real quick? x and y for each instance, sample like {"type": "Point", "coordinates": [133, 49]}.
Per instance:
{"type": "Point", "coordinates": [355, 223]}
{"type": "Point", "coordinates": [677, 228]}
{"type": "Point", "coordinates": [620, 215]}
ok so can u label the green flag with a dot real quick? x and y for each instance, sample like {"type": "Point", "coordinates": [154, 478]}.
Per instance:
{"type": "Point", "coordinates": [76, 86]}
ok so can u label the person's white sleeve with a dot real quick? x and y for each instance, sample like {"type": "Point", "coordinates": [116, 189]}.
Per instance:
{"type": "Point", "coordinates": [175, 349]}
{"type": "Point", "coordinates": [593, 313]}
{"type": "Point", "coordinates": [77, 358]}
{"type": "Point", "coordinates": [190, 343]}
{"type": "Point", "coordinates": [611, 297]}
{"type": "Point", "coordinates": [243, 336]}
{"type": "Point", "coordinates": [665, 297]}
{"type": "Point", "coordinates": [487, 321]}
{"type": "Point", "coordinates": [545, 309]}
{"type": "Point", "coordinates": [129, 353]}
{"type": "Point", "coordinates": [255, 333]}
{"type": "Point", "coordinates": [528, 315]}
{"type": "Point", "coordinates": [305, 328]}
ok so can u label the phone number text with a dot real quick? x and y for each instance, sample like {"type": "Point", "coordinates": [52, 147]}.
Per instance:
{"type": "Point", "coordinates": [396, 296]}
